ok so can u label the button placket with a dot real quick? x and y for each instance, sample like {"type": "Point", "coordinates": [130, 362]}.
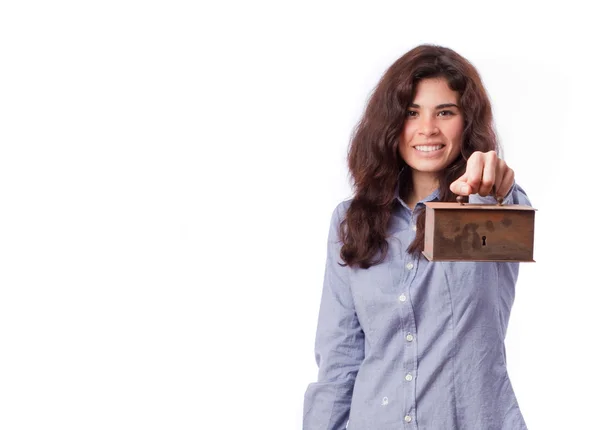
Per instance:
{"type": "Point", "coordinates": [405, 268]}
{"type": "Point", "coordinates": [410, 359]}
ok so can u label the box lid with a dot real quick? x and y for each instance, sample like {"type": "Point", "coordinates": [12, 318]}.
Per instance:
{"type": "Point", "coordinates": [470, 206]}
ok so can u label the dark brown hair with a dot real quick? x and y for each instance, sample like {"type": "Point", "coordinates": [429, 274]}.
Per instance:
{"type": "Point", "coordinates": [374, 159]}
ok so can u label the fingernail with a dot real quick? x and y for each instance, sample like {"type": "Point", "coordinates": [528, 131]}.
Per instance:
{"type": "Point", "coordinates": [464, 189]}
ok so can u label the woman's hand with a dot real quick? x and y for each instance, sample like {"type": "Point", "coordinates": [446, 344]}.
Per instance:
{"type": "Point", "coordinates": [484, 170]}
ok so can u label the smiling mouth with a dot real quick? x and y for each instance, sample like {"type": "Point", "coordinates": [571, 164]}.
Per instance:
{"type": "Point", "coordinates": [428, 148]}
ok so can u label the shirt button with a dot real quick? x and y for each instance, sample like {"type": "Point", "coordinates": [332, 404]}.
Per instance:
{"type": "Point", "coordinates": [407, 418]}
{"type": "Point", "coordinates": [402, 298]}
{"type": "Point", "coordinates": [408, 377]}
{"type": "Point", "coordinates": [409, 337]}
{"type": "Point", "coordinates": [409, 266]}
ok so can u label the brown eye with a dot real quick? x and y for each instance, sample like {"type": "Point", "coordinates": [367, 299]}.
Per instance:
{"type": "Point", "coordinates": [449, 112]}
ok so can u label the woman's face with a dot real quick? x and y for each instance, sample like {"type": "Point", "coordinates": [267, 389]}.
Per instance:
{"type": "Point", "coordinates": [432, 133]}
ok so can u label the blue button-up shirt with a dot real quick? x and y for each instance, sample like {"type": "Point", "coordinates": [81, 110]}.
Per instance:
{"type": "Point", "coordinates": [413, 344]}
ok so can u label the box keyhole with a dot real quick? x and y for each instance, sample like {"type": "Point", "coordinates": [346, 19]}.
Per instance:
{"type": "Point", "coordinates": [483, 238]}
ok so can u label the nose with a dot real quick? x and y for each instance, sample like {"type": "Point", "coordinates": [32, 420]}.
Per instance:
{"type": "Point", "coordinates": [427, 126]}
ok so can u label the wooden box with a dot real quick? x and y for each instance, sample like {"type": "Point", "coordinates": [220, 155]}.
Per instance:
{"type": "Point", "coordinates": [478, 232]}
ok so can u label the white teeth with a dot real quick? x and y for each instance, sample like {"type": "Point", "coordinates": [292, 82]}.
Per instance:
{"type": "Point", "coordinates": [428, 148]}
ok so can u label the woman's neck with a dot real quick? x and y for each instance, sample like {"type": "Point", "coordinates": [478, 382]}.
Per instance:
{"type": "Point", "coordinates": [423, 184]}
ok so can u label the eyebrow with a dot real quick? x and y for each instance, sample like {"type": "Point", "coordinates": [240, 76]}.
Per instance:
{"type": "Point", "coordinates": [445, 105]}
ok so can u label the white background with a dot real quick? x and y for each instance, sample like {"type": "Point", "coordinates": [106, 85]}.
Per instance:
{"type": "Point", "coordinates": [167, 175]}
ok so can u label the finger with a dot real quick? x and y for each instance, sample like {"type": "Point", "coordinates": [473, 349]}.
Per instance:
{"type": "Point", "coordinates": [460, 186]}
{"type": "Point", "coordinates": [501, 170]}
{"type": "Point", "coordinates": [488, 177]}
{"type": "Point", "coordinates": [474, 171]}
{"type": "Point", "coordinates": [507, 181]}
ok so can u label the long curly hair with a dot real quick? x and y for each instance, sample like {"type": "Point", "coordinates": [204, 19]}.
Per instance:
{"type": "Point", "coordinates": [374, 160]}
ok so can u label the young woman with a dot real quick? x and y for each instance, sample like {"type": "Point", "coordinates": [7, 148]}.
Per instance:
{"type": "Point", "coordinates": [402, 342]}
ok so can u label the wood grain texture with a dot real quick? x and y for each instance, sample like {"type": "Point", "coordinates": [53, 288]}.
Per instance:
{"type": "Point", "coordinates": [473, 232]}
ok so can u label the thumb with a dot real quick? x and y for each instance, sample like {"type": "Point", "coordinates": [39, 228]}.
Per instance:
{"type": "Point", "coordinates": [460, 186]}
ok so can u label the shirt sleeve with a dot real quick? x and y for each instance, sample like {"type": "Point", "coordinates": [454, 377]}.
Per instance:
{"type": "Point", "coordinates": [515, 196]}
{"type": "Point", "coordinates": [339, 344]}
